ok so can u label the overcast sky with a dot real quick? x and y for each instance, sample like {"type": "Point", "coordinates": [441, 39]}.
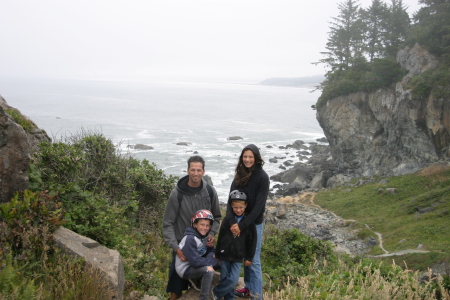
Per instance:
{"type": "Point", "coordinates": [111, 39]}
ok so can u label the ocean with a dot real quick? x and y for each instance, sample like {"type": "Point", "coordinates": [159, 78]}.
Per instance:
{"type": "Point", "coordinates": [162, 113]}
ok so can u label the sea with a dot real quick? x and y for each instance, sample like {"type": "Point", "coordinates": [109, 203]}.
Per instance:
{"type": "Point", "coordinates": [200, 114]}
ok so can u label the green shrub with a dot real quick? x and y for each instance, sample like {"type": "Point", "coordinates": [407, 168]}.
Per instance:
{"type": "Point", "coordinates": [291, 253]}
{"type": "Point", "coordinates": [104, 191]}
{"type": "Point", "coordinates": [364, 77]}
{"type": "Point", "coordinates": [112, 198]}
{"type": "Point", "coordinates": [435, 82]}
{"type": "Point", "coordinates": [27, 223]}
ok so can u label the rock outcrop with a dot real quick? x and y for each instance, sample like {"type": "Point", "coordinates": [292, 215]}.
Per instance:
{"type": "Point", "coordinates": [14, 157]}
{"type": "Point", "coordinates": [388, 132]}
{"type": "Point", "coordinates": [16, 147]}
{"type": "Point", "coordinates": [107, 261]}
{"type": "Point", "coordinates": [35, 135]}
{"type": "Point", "coordinates": [301, 213]}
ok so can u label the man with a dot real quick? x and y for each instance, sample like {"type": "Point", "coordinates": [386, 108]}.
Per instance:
{"type": "Point", "coordinates": [191, 194]}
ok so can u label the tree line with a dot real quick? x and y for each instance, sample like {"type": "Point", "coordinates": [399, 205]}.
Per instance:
{"type": "Point", "coordinates": [362, 45]}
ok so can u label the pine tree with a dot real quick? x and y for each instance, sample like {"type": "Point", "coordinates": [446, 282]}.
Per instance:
{"type": "Point", "coordinates": [346, 38]}
{"type": "Point", "coordinates": [398, 27]}
{"type": "Point", "coordinates": [432, 27]}
{"type": "Point", "coordinates": [376, 17]}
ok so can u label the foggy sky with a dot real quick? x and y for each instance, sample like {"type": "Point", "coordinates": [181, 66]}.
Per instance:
{"type": "Point", "coordinates": [112, 39]}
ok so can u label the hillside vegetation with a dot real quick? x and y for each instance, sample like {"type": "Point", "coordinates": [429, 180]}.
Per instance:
{"type": "Point", "coordinates": [86, 185]}
{"type": "Point", "coordinates": [418, 213]}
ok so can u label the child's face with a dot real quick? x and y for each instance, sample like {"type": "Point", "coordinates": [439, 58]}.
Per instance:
{"type": "Point", "coordinates": [203, 226]}
{"type": "Point", "coordinates": [238, 207]}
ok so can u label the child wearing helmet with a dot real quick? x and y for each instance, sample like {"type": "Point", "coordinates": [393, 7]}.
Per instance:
{"type": "Point", "coordinates": [232, 249]}
{"type": "Point", "coordinates": [200, 261]}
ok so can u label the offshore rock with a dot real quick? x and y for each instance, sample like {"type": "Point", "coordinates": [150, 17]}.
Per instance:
{"type": "Point", "coordinates": [387, 132]}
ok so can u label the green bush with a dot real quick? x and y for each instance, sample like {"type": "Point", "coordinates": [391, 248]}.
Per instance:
{"type": "Point", "coordinates": [112, 198]}
{"type": "Point", "coordinates": [290, 253]}
{"type": "Point", "coordinates": [103, 190]}
{"type": "Point", "coordinates": [364, 77]}
{"type": "Point", "coordinates": [27, 223]}
{"type": "Point", "coordinates": [435, 82]}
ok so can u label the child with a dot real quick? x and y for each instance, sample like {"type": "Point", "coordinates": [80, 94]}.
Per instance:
{"type": "Point", "coordinates": [232, 249]}
{"type": "Point", "coordinates": [200, 261]}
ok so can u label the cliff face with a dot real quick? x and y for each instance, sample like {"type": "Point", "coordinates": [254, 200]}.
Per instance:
{"type": "Point", "coordinates": [16, 147]}
{"type": "Point", "coordinates": [387, 132]}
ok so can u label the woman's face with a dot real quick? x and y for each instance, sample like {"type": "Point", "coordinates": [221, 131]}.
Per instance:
{"type": "Point", "coordinates": [248, 158]}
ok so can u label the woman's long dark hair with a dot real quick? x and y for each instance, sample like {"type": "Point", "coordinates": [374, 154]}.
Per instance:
{"type": "Point", "coordinates": [242, 173]}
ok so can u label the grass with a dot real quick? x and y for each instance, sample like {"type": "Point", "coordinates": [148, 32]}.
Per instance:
{"type": "Point", "coordinates": [417, 214]}
{"type": "Point", "coordinates": [26, 123]}
{"type": "Point", "coordinates": [361, 281]}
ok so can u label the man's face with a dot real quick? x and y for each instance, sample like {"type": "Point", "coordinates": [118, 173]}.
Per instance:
{"type": "Point", "coordinates": [195, 173]}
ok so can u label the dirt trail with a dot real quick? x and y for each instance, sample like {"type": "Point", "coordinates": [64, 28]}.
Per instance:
{"type": "Point", "coordinates": [387, 253]}
{"type": "Point", "coordinates": [308, 199]}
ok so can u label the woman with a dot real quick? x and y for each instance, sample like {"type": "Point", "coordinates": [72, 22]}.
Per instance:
{"type": "Point", "coordinates": [251, 179]}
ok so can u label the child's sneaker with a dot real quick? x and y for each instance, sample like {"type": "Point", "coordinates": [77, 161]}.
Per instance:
{"type": "Point", "coordinates": [196, 283]}
{"type": "Point", "coordinates": [244, 292]}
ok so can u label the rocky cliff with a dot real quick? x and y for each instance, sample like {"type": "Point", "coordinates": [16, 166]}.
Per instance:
{"type": "Point", "coordinates": [16, 147]}
{"type": "Point", "coordinates": [388, 132]}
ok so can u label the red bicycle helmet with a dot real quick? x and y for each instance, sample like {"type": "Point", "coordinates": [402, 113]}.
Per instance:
{"type": "Point", "coordinates": [202, 214]}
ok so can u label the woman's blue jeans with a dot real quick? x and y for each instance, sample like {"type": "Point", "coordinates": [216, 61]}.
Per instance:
{"type": "Point", "coordinates": [253, 273]}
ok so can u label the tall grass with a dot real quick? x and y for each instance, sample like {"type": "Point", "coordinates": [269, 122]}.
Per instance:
{"type": "Point", "coordinates": [360, 282]}
{"type": "Point", "coordinates": [71, 279]}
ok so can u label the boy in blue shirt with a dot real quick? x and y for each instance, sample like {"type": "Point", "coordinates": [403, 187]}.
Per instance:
{"type": "Point", "coordinates": [200, 261]}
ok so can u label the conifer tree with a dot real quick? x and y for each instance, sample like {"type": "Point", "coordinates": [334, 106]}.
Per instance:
{"type": "Point", "coordinates": [346, 37]}
{"type": "Point", "coordinates": [432, 27]}
{"type": "Point", "coordinates": [398, 27]}
{"type": "Point", "coordinates": [376, 17]}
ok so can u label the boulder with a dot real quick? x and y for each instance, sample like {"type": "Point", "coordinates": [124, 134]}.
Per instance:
{"type": "Point", "coordinates": [320, 180]}
{"type": "Point", "coordinates": [16, 148]}
{"type": "Point", "coordinates": [107, 261]}
{"type": "Point", "coordinates": [14, 157]}
{"type": "Point", "coordinates": [299, 145]}
{"type": "Point", "coordinates": [338, 180]}
{"type": "Point", "coordinates": [322, 140]}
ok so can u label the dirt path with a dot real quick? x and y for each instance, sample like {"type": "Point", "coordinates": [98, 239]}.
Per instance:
{"type": "Point", "coordinates": [308, 199]}
{"type": "Point", "coordinates": [387, 253]}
